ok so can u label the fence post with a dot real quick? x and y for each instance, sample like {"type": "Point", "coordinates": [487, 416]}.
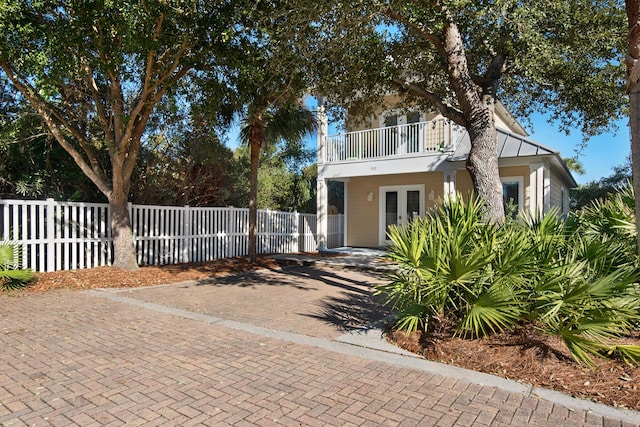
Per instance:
{"type": "Point", "coordinates": [51, 235]}
{"type": "Point", "coordinates": [5, 220]}
{"type": "Point", "coordinates": [230, 232]}
{"type": "Point", "coordinates": [296, 232]}
{"type": "Point", "coordinates": [186, 234]}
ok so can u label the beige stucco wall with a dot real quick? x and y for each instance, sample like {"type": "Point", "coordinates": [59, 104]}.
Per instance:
{"type": "Point", "coordinates": [363, 216]}
{"type": "Point", "coordinates": [395, 102]}
{"type": "Point", "coordinates": [464, 185]}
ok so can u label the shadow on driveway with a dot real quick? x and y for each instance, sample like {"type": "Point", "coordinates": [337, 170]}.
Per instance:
{"type": "Point", "coordinates": [318, 301]}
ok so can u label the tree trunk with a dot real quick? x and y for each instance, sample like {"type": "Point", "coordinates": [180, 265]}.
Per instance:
{"type": "Point", "coordinates": [633, 88]}
{"type": "Point", "coordinates": [255, 143]}
{"type": "Point", "coordinates": [482, 164]}
{"type": "Point", "coordinates": [124, 253]}
{"type": "Point", "coordinates": [478, 114]}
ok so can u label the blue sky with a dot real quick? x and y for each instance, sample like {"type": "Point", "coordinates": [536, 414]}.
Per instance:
{"type": "Point", "coordinates": [601, 154]}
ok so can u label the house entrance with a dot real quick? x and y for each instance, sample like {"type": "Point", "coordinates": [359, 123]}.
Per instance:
{"type": "Point", "coordinates": [398, 206]}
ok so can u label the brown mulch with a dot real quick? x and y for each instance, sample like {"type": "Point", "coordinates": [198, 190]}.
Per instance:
{"type": "Point", "coordinates": [108, 277]}
{"type": "Point", "coordinates": [534, 359]}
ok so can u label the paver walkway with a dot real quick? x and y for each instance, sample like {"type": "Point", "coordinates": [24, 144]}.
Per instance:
{"type": "Point", "coordinates": [184, 355]}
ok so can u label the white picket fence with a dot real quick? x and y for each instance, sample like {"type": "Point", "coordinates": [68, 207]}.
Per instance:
{"type": "Point", "coordinates": [71, 235]}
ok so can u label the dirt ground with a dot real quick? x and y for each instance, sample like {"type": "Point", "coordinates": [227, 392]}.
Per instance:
{"type": "Point", "coordinates": [538, 360]}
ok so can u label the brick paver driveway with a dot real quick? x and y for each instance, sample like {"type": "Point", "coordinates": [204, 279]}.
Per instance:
{"type": "Point", "coordinates": [250, 350]}
{"type": "Point", "coordinates": [315, 301]}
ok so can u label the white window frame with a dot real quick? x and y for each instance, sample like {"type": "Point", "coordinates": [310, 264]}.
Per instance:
{"type": "Point", "coordinates": [520, 181]}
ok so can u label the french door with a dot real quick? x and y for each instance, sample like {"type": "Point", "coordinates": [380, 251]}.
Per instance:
{"type": "Point", "coordinates": [398, 206]}
{"type": "Point", "coordinates": [401, 133]}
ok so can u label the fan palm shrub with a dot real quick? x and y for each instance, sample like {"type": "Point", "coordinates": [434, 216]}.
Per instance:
{"type": "Point", "coordinates": [448, 265]}
{"type": "Point", "coordinates": [552, 275]}
{"type": "Point", "coordinates": [581, 291]}
{"type": "Point", "coordinates": [12, 276]}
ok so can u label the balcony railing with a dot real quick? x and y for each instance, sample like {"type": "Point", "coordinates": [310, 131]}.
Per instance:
{"type": "Point", "coordinates": [393, 141]}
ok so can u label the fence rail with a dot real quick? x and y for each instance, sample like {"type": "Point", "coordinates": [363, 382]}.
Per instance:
{"type": "Point", "coordinates": [70, 235]}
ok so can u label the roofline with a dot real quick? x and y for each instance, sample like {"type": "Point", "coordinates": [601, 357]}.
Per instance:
{"type": "Point", "coordinates": [509, 118]}
{"type": "Point", "coordinates": [555, 154]}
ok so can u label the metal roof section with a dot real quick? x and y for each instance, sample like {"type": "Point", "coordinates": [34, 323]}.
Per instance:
{"type": "Point", "coordinates": [510, 119]}
{"type": "Point", "coordinates": [509, 145]}
{"type": "Point", "coordinates": [513, 146]}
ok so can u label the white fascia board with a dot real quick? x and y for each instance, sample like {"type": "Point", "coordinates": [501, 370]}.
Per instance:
{"type": "Point", "coordinates": [388, 166]}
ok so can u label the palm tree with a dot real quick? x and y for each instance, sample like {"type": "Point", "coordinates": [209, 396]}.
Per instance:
{"type": "Point", "coordinates": [266, 123]}
{"type": "Point", "coordinates": [12, 276]}
{"type": "Point", "coordinates": [574, 165]}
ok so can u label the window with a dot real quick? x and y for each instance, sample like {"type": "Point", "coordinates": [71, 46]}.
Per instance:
{"type": "Point", "coordinates": [413, 117]}
{"type": "Point", "coordinates": [512, 195]}
{"type": "Point", "coordinates": [391, 120]}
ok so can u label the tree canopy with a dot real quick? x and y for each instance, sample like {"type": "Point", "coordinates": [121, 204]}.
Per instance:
{"type": "Point", "coordinates": [94, 72]}
{"type": "Point", "coordinates": [563, 58]}
{"type": "Point", "coordinates": [602, 188]}
{"type": "Point", "coordinates": [460, 57]}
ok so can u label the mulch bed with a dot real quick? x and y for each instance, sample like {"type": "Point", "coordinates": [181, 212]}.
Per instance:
{"type": "Point", "coordinates": [108, 277]}
{"type": "Point", "coordinates": [534, 359]}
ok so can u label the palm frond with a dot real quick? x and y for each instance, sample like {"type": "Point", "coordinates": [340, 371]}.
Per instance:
{"type": "Point", "coordinates": [12, 275]}
{"type": "Point", "coordinates": [630, 354]}
{"type": "Point", "coordinates": [494, 311]}
{"type": "Point", "coordinates": [290, 123]}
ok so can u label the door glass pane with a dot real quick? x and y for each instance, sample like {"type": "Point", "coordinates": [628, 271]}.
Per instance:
{"type": "Point", "coordinates": [413, 205]}
{"type": "Point", "coordinates": [391, 209]}
{"type": "Point", "coordinates": [510, 197]}
{"type": "Point", "coordinates": [391, 120]}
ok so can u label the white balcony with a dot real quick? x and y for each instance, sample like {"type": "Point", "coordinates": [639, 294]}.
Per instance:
{"type": "Point", "coordinates": [408, 140]}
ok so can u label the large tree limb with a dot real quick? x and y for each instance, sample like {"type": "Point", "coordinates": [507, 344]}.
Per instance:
{"type": "Point", "coordinates": [139, 126]}
{"type": "Point", "coordinates": [151, 54]}
{"type": "Point", "coordinates": [175, 64]}
{"type": "Point", "coordinates": [103, 117]}
{"type": "Point", "coordinates": [46, 111]}
{"type": "Point", "coordinates": [417, 28]}
{"type": "Point", "coordinates": [149, 93]}
{"type": "Point", "coordinates": [117, 97]}
{"type": "Point", "coordinates": [447, 110]}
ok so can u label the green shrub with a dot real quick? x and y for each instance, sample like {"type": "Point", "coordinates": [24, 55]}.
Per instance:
{"type": "Point", "coordinates": [12, 276]}
{"type": "Point", "coordinates": [454, 267]}
{"type": "Point", "coordinates": [566, 278]}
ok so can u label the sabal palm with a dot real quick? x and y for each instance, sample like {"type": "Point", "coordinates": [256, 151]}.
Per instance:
{"type": "Point", "coordinates": [542, 273]}
{"type": "Point", "coordinates": [268, 123]}
{"type": "Point", "coordinates": [11, 273]}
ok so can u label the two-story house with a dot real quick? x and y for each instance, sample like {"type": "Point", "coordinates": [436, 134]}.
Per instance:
{"type": "Point", "coordinates": [401, 162]}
